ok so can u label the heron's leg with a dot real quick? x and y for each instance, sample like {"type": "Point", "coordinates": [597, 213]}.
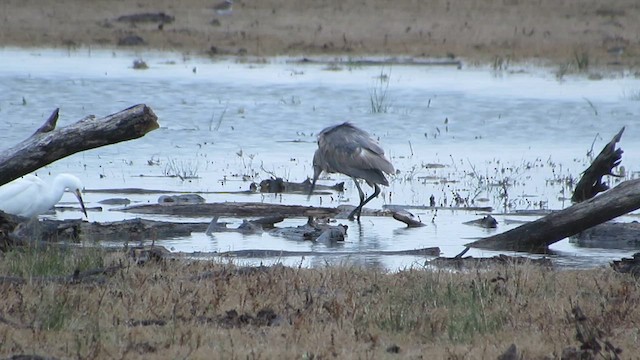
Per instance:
{"type": "Point", "coordinates": [376, 192]}
{"type": "Point", "coordinates": [362, 202]}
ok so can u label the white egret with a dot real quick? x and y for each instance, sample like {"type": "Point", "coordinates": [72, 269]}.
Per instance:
{"type": "Point", "coordinates": [30, 196]}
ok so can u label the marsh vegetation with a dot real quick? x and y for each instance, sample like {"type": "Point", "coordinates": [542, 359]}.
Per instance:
{"type": "Point", "coordinates": [172, 309]}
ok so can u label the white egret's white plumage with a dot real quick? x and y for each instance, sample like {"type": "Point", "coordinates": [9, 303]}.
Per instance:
{"type": "Point", "coordinates": [30, 196]}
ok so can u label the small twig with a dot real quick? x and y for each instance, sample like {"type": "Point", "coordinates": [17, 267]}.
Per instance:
{"type": "Point", "coordinates": [590, 152]}
{"type": "Point", "coordinates": [267, 171]}
{"type": "Point", "coordinates": [221, 117]}
{"type": "Point", "coordinates": [595, 111]}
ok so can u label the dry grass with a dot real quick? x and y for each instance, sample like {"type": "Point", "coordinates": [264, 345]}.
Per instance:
{"type": "Point", "coordinates": [179, 309]}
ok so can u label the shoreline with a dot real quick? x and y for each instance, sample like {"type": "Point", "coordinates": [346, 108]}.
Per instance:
{"type": "Point", "coordinates": [588, 35]}
{"type": "Point", "coordinates": [343, 62]}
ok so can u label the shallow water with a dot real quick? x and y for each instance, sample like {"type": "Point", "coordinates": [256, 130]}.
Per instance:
{"type": "Point", "coordinates": [224, 120]}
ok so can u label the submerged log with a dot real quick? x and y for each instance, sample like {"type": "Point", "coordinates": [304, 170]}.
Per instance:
{"type": "Point", "coordinates": [314, 231]}
{"type": "Point", "coordinates": [537, 235]}
{"type": "Point", "coordinates": [487, 222]}
{"type": "Point", "coordinates": [278, 185]}
{"type": "Point", "coordinates": [247, 226]}
{"type": "Point", "coordinates": [49, 144]}
{"type": "Point", "coordinates": [232, 209]}
{"type": "Point", "coordinates": [395, 207]}
{"type": "Point", "coordinates": [260, 253]}
{"type": "Point", "coordinates": [591, 182]}
{"type": "Point", "coordinates": [610, 235]}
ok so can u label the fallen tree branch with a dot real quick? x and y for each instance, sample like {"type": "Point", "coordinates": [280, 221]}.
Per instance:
{"type": "Point", "coordinates": [232, 209]}
{"type": "Point", "coordinates": [539, 234]}
{"type": "Point", "coordinates": [48, 144]}
{"type": "Point", "coordinates": [591, 182]}
{"type": "Point", "coordinates": [278, 185]}
{"type": "Point", "coordinates": [407, 218]}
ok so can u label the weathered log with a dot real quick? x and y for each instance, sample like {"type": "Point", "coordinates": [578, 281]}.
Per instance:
{"type": "Point", "coordinates": [247, 227]}
{"type": "Point", "coordinates": [259, 253]}
{"type": "Point", "coordinates": [610, 235]}
{"type": "Point", "coordinates": [537, 235]}
{"type": "Point", "coordinates": [278, 185]}
{"type": "Point", "coordinates": [48, 144]}
{"type": "Point", "coordinates": [394, 207]}
{"type": "Point", "coordinates": [591, 182]}
{"type": "Point", "coordinates": [314, 231]}
{"type": "Point", "coordinates": [78, 230]}
{"type": "Point", "coordinates": [231, 209]}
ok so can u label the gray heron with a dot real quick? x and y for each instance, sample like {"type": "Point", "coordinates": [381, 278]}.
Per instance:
{"type": "Point", "coordinates": [348, 150]}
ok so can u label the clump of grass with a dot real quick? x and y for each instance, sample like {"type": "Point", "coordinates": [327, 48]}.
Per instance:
{"type": "Point", "coordinates": [500, 63]}
{"type": "Point", "coordinates": [581, 59]}
{"type": "Point", "coordinates": [631, 95]}
{"type": "Point", "coordinates": [51, 261]}
{"type": "Point", "coordinates": [183, 169]}
{"type": "Point", "coordinates": [379, 99]}
{"type": "Point", "coordinates": [441, 306]}
{"type": "Point", "coordinates": [578, 64]}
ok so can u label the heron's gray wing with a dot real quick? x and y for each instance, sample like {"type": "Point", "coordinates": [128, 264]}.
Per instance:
{"type": "Point", "coordinates": [347, 133]}
{"type": "Point", "coordinates": [346, 149]}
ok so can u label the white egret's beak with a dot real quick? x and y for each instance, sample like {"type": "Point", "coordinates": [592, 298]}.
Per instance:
{"type": "Point", "coordinates": [79, 196]}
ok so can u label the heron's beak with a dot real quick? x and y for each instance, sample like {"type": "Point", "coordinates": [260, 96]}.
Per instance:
{"type": "Point", "coordinates": [79, 196]}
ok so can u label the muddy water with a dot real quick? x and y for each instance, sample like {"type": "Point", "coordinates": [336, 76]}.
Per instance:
{"type": "Point", "coordinates": [448, 131]}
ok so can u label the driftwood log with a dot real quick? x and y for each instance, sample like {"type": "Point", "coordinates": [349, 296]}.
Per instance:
{"type": "Point", "coordinates": [591, 182]}
{"type": "Point", "coordinates": [129, 230]}
{"type": "Point", "coordinates": [537, 235]}
{"type": "Point", "coordinates": [49, 144]}
{"type": "Point", "coordinates": [278, 185]}
{"type": "Point", "coordinates": [232, 209]}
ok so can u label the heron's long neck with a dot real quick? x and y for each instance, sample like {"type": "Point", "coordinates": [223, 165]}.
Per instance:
{"type": "Point", "coordinates": [56, 190]}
